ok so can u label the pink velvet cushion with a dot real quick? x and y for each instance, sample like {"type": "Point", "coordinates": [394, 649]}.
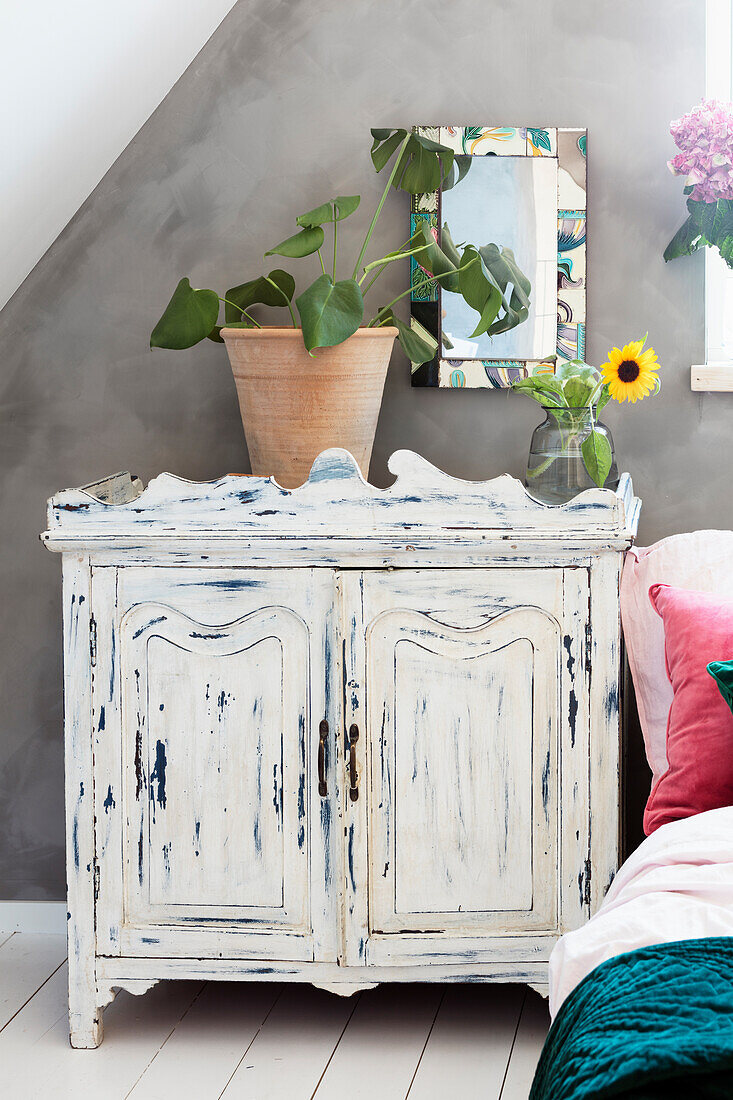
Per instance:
{"type": "Point", "coordinates": [701, 560]}
{"type": "Point", "coordinates": [698, 628]}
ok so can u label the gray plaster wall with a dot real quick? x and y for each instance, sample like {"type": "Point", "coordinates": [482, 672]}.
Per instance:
{"type": "Point", "coordinates": [271, 118]}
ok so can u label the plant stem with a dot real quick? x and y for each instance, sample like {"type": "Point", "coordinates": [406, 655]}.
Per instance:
{"type": "Point", "coordinates": [381, 264]}
{"type": "Point", "coordinates": [537, 470]}
{"type": "Point", "coordinates": [599, 386]}
{"type": "Point", "coordinates": [284, 297]}
{"type": "Point", "coordinates": [372, 281]}
{"type": "Point", "coordinates": [242, 311]}
{"type": "Point", "coordinates": [335, 239]}
{"type": "Point", "coordinates": [323, 266]}
{"type": "Point", "coordinates": [423, 282]}
{"type": "Point", "coordinates": [378, 211]}
{"type": "Point", "coordinates": [576, 430]}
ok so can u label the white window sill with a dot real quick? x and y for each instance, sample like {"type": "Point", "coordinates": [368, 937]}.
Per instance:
{"type": "Point", "coordinates": [712, 376]}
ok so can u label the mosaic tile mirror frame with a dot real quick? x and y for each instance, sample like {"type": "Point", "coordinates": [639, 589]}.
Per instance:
{"type": "Point", "coordinates": [562, 313]}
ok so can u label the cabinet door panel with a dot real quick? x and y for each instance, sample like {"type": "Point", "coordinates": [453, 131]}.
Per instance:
{"type": "Point", "coordinates": [461, 783]}
{"type": "Point", "coordinates": [208, 838]}
{"type": "Point", "coordinates": [456, 828]}
{"type": "Point", "coordinates": [218, 727]}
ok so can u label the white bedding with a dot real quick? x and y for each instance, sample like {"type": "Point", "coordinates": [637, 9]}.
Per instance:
{"type": "Point", "coordinates": [678, 885]}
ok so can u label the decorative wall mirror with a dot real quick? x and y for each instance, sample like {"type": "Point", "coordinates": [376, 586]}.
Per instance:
{"type": "Point", "coordinates": [522, 189]}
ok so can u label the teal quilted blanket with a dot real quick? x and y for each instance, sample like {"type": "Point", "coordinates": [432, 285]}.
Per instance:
{"type": "Point", "coordinates": [653, 1023]}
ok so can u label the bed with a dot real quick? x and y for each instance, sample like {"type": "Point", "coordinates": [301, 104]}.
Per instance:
{"type": "Point", "coordinates": [642, 996]}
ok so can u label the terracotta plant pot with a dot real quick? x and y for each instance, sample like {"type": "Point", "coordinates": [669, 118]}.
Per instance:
{"type": "Point", "coordinates": [294, 405]}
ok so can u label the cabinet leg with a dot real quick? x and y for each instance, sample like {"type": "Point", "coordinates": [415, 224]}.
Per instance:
{"type": "Point", "coordinates": [85, 1029]}
{"type": "Point", "coordinates": [85, 1015]}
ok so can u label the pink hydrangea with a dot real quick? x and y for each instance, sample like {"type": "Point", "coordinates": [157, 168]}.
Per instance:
{"type": "Point", "coordinates": [704, 137]}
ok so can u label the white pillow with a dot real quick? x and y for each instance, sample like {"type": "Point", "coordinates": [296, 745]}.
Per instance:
{"type": "Point", "coordinates": [701, 560]}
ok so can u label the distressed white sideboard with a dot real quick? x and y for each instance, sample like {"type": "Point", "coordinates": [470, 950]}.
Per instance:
{"type": "Point", "coordinates": [335, 734]}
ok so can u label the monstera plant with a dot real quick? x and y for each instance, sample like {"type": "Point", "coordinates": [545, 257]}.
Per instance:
{"type": "Point", "coordinates": [317, 408]}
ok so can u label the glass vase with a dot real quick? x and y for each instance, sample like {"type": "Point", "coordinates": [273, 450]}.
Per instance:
{"type": "Point", "coordinates": [555, 469]}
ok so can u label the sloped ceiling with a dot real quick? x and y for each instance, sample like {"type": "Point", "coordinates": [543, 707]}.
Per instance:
{"type": "Point", "coordinates": [83, 77]}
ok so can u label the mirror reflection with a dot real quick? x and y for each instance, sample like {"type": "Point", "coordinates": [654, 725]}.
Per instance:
{"type": "Point", "coordinates": [512, 202]}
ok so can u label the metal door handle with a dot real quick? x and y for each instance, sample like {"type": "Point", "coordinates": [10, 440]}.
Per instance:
{"type": "Point", "coordinates": [353, 774]}
{"type": "Point", "coordinates": [322, 735]}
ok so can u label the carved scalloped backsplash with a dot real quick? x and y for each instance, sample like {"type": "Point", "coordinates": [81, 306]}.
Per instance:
{"type": "Point", "coordinates": [335, 499]}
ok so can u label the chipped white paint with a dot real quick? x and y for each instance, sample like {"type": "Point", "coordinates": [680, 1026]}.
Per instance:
{"type": "Point", "coordinates": [458, 809]}
{"type": "Point", "coordinates": [459, 765]}
{"type": "Point", "coordinates": [85, 1021]}
{"type": "Point", "coordinates": [336, 501]}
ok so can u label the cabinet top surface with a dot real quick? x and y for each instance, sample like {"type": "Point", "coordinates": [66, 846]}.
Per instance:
{"type": "Point", "coordinates": [336, 501]}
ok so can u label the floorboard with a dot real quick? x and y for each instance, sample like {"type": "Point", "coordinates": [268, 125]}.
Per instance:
{"type": "Point", "coordinates": [470, 1044]}
{"type": "Point", "coordinates": [26, 962]}
{"type": "Point", "coordinates": [26, 1031]}
{"type": "Point", "coordinates": [534, 1024]}
{"type": "Point", "coordinates": [382, 1045]}
{"type": "Point", "coordinates": [38, 1062]}
{"type": "Point", "coordinates": [208, 1043]}
{"type": "Point", "coordinates": [293, 1046]}
{"type": "Point", "coordinates": [261, 1041]}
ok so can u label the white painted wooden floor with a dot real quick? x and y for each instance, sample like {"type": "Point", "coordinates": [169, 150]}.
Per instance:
{"type": "Point", "coordinates": [255, 1041]}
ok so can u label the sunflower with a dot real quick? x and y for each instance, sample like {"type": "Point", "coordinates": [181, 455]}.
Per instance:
{"type": "Point", "coordinates": [631, 373]}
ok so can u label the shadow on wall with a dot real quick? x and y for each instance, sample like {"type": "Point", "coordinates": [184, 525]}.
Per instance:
{"type": "Point", "coordinates": [636, 776]}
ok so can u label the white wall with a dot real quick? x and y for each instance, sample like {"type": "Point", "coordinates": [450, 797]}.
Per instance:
{"type": "Point", "coordinates": [78, 78]}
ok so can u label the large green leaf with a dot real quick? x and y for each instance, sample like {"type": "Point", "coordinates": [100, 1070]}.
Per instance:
{"type": "Point", "coordinates": [345, 205]}
{"type": "Point", "coordinates": [283, 288]}
{"type": "Point", "coordinates": [484, 274]}
{"type": "Point", "coordinates": [725, 246]}
{"type": "Point", "coordinates": [504, 270]}
{"type": "Point", "coordinates": [422, 169]}
{"type": "Point", "coordinates": [686, 240]}
{"type": "Point", "coordinates": [709, 223]}
{"type": "Point", "coordinates": [423, 166]}
{"type": "Point", "coordinates": [546, 389]}
{"type": "Point", "coordinates": [259, 291]}
{"type": "Point", "coordinates": [572, 385]}
{"type": "Point", "coordinates": [300, 244]}
{"type": "Point", "coordinates": [461, 166]}
{"type": "Point", "coordinates": [603, 398]}
{"type": "Point", "coordinates": [385, 145]}
{"type": "Point", "coordinates": [479, 289]}
{"type": "Point", "coordinates": [535, 394]}
{"type": "Point", "coordinates": [578, 391]}
{"type": "Point", "coordinates": [330, 312]}
{"type": "Point", "coordinates": [446, 243]}
{"type": "Point", "coordinates": [715, 220]}
{"type": "Point", "coordinates": [434, 259]}
{"type": "Point", "coordinates": [188, 318]}
{"type": "Point", "coordinates": [705, 215]}
{"type": "Point", "coordinates": [597, 456]}
{"type": "Point", "coordinates": [415, 340]}
{"type": "Point", "coordinates": [504, 267]}
{"type": "Point", "coordinates": [576, 368]}
{"type": "Point", "coordinates": [335, 210]}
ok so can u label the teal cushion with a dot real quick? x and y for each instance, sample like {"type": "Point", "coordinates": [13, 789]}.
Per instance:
{"type": "Point", "coordinates": [722, 673]}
